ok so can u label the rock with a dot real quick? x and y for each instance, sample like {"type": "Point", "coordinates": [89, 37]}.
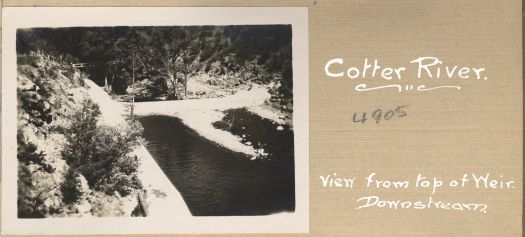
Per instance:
{"type": "Point", "coordinates": [84, 208]}
{"type": "Point", "coordinates": [46, 105]}
{"type": "Point", "coordinates": [253, 158]}
{"type": "Point", "coordinates": [248, 143]}
{"type": "Point", "coordinates": [280, 128]}
{"type": "Point", "coordinates": [82, 185]}
{"type": "Point", "coordinates": [52, 202]}
{"type": "Point", "coordinates": [52, 100]}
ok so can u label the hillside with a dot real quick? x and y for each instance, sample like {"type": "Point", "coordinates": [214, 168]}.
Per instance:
{"type": "Point", "coordinates": [56, 118]}
{"type": "Point", "coordinates": [175, 62]}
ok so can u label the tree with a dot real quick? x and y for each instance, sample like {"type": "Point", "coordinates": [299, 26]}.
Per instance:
{"type": "Point", "coordinates": [161, 48]}
{"type": "Point", "coordinates": [164, 51]}
{"type": "Point", "coordinates": [125, 55]}
{"type": "Point", "coordinates": [102, 154]}
{"type": "Point", "coordinates": [186, 64]}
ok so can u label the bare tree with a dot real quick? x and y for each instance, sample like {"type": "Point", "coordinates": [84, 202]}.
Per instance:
{"type": "Point", "coordinates": [186, 64]}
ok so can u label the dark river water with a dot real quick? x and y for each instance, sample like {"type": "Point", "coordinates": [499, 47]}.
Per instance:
{"type": "Point", "coordinates": [216, 181]}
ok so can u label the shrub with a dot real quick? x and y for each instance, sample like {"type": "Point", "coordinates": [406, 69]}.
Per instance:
{"type": "Point", "coordinates": [102, 154]}
{"type": "Point", "coordinates": [80, 135]}
{"type": "Point", "coordinates": [28, 153]}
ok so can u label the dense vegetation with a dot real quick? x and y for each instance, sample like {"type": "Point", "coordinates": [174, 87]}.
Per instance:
{"type": "Point", "coordinates": [102, 154]}
{"type": "Point", "coordinates": [68, 163]}
{"type": "Point", "coordinates": [164, 59]}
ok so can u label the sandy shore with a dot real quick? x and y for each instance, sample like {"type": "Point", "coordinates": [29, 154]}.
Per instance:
{"type": "Point", "coordinates": [199, 114]}
{"type": "Point", "coordinates": [162, 198]}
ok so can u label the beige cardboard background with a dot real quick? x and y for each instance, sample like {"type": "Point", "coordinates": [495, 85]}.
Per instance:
{"type": "Point", "coordinates": [446, 133]}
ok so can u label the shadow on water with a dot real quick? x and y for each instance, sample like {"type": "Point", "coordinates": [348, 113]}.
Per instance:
{"type": "Point", "coordinates": [216, 181]}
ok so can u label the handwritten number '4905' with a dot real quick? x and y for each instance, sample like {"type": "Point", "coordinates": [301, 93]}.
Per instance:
{"type": "Point", "coordinates": [379, 115]}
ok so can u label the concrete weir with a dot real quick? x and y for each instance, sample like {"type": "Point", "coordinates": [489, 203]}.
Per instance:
{"type": "Point", "coordinates": [160, 198]}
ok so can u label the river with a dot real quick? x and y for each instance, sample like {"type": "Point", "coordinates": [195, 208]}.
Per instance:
{"type": "Point", "coordinates": [215, 181]}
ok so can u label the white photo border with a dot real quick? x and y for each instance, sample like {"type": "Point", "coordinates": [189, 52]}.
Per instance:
{"type": "Point", "coordinates": [29, 17]}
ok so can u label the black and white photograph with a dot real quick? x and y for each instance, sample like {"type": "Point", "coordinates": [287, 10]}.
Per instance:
{"type": "Point", "coordinates": [212, 104]}
{"type": "Point", "coordinates": [167, 121]}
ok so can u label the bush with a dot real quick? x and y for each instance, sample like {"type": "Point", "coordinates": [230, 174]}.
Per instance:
{"type": "Point", "coordinates": [27, 153]}
{"type": "Point", "coordinates": [102, 154]}
{"type": "Point", "coordinates": [34, 104]}
{"type": "Point", "coordinates": [80, 135]}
